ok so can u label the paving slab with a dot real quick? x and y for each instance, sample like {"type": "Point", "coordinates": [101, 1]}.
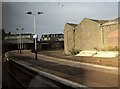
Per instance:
{"type": "Point", "coordinates": [106, 54]}
{"type": "Point", "coordinates": [87, 53]}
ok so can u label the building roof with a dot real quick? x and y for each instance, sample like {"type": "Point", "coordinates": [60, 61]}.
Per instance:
{"type": "Point", "coordinates": [100, 21]}
{"type": "Point", "coordinates": [73, 25]}
{"type": "Point", "coordinates": [16, 41]}
{"type": "Point", "coordinates": [49, 35]}
{"type": "Point", "coordinates": [24, 34]}
{"type": "Point", "coordinates": [107, 22]}
{"type": "Point", "coordinates": [114, 21]}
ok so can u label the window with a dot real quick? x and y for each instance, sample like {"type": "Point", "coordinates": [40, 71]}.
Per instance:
{"type": "Point", "coordinates": [56, 35]}
{"type": "Point", "coordinates": [47, 35]}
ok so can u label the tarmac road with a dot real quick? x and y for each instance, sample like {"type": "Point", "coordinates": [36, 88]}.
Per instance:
{"type": "Point", "coordinates": [87, 77]}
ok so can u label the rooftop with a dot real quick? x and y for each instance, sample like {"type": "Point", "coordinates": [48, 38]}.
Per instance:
{"type": "Point", "coordinates": [73, 25]}
{"type": "Point", "coordinates": [107, 22]}
{"type": "Point", "coordinates": [19, 34]}
{"type": "Point", "coordinates": [114, 21]}
{"type": "Point", "coordinates": [100, 21]}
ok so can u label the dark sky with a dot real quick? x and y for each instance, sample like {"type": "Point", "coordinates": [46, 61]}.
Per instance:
{"type": "Point", "coordinates": [54, 16]}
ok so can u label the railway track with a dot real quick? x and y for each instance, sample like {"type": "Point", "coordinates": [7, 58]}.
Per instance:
{"type": "Point", "coordinates": [16, 82]}
{"type": "Point", "coordinates": [9, 80]}
{"type": "Point", "coordinates": [14, 76]}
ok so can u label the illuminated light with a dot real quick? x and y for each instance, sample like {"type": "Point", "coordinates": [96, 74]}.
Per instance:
{"type": "Point", "coordinates": [35, 36]}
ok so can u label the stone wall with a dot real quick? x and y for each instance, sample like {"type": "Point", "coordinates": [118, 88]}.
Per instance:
{"type": "Point", "coordinates": [90, 35]}
{"type": "Point", "coordinates": [110, 35]}
{"type": "Point", "coordinates": [87, 35]}
{"type": "Point", "coordinates": [68, 38]}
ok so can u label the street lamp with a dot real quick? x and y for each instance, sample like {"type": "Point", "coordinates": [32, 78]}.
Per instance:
{"type": "Point", "coordinates": [20, 40]}
{"type": "Point", "coordinates": [35, 36]}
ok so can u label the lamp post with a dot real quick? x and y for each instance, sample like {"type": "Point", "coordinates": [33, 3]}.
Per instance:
{"type": "Point", "coordinates": [20, 40]}
{"type": "Point", "coordinates": [35, 36]}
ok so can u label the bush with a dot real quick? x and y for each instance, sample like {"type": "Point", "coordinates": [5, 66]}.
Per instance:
{"type": "Point", "coordinates": [111, 48]}
{"type": "Point", "coordinates": [74, 51]}
{"type": "Point", "coordinates": [96, 48]}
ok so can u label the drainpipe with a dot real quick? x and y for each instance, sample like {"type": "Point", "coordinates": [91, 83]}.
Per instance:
{"type": "Point", "coordinates": [102, 35]}
{"type": "Point", "coordinates": [74, 38]}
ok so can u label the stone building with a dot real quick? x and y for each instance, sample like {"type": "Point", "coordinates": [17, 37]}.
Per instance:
{"type": "Point", "coordinates": [90, 34]}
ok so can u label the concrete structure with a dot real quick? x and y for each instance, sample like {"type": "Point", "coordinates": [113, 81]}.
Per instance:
{"type": "Point", "coordinates": [91, 34]}
{"type": "Point", "coordinates": [52, 41]}
{"type": "Point", "coordinates": [15, 38]}
{"type": "Point", "coordinates": [94, 53]}
{"type": "Point", "coordinates": [17, 41]}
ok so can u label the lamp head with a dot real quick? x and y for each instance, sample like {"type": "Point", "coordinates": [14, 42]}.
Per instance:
{"type": "Point", "coordinates": [35, 36]}
{"type": "Point", "coordinates": [40, 12]}
{"type": "Point", "coordinates": [29, 12]}
{"type": "Point", "coordinates": [22, 28]}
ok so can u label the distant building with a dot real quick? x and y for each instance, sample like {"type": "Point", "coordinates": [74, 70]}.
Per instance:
{"type": "Point", "coordinates": [52, 41]}
{"type": "Point", "coordinates": [15, 41]}
{"type": "Point", "coordinates": [90, 34]}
